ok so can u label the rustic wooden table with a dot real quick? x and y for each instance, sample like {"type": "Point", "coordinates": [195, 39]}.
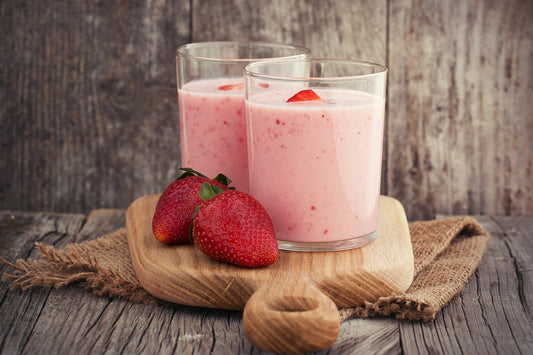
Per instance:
{"type": "Point", "coordinates": [491, 315]}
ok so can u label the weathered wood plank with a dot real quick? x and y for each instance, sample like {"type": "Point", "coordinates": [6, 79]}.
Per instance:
{"type": "Point", "coordinates": [460, 107]}
{"type": "Point", "coordinates": [19, 310]}
{"type": "Point", "coordinates": [70, 312]}
{"type": "Point", "coordinates": [89, 113]}
{"type": "Point", "coordinates": [89, 108]}
{"type": "Point", "coordinates": [491, 315]}
{"type": "Point", "coordinates": [368, 336]}
{"type": "Point", "coordinates": [518, 233]}
{"type": "Point", "coordinates": [87, 323]}
{"type": "Point", "coordinates": [347, 29]}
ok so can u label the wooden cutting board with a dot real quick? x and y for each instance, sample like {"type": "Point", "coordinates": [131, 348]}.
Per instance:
{"type": "Point", "coordinates": [290, 306]}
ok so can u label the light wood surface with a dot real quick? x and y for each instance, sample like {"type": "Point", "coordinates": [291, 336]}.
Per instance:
{"type": "Point", "coordinates": [288, 297]}
{"type": "Point", "coordinates": [491, 315]}
{"type": "Point", "coordinates": [89, 113]}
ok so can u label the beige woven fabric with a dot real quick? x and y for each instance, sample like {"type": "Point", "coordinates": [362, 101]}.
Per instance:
{"type": "Point", "coordinates": [446, 253]}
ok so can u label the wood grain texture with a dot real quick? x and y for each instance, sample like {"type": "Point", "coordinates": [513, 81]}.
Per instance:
{"type": "Point", "coordinates": [343, 30]}
{"type": "Point", "coordinates": [89, 115]}
{"type": "Point", "coordinates": [88, 96]}
{"type": "Point", "coordinates": [491, 315]}
{"type": "Point", "coordinates": [19, 312]}
{"type": "Point", "coordinates": [289, 306]}
{"type": "Point", "coordinates": [182, 274]}
{"type": "Point", "coordinates": [460, 107]}
{"type": "Point", "coordinates": [75, 321]}
{"type": "Point", "coordinates": [287, 317]}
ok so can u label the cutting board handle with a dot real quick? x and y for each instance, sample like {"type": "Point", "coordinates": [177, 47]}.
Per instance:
{"type": "Point", "coordinates": [283, 317]}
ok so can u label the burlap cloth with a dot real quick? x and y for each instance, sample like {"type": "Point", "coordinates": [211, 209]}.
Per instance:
{"type": "Point", "coordinates": [446, 253]}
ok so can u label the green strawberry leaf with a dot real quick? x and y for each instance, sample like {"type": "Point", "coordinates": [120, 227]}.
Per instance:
{"type": "Point", "coordinates": [190, 172]}
{"type": "Point", "coordinates": [208, 191]}
{"type": "Point", "coordinates": [223, 179]}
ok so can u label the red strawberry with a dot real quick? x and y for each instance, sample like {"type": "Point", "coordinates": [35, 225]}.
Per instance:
{"type": "Point", "coordinates": [231, 87]}
{"type": "Point", "coordinates": [173, 214]}
{"type": "Point", "coordinates": [234, 227]}
{"type": "Point", "coordinates": [305, 95]}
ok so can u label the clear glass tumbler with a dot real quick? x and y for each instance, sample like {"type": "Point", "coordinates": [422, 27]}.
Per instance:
{"type": "Point", "coordinates": [211, 103]}
{"type": "Point", "coordinates": [315, 137]}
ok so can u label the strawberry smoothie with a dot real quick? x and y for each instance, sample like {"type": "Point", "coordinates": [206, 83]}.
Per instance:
{"type": "Point", "coordinates": [211, 103]}
{"type": "Point", "coordinates": [315, 165]}
{"type": "Point", "coordinates": [213, 129]}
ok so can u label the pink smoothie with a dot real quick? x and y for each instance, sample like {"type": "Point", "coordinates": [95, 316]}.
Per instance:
{"type": "Point", "coordinates": [213, 129]}
{"type": "Point", "coordinates": [316, 166]}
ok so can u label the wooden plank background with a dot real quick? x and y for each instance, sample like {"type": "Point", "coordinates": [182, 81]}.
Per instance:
{"type": "Point", "coordinates": [89, 114]}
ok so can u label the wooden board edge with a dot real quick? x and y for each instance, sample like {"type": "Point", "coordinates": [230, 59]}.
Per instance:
{"type": "Point", "coordinates": [185, 286]}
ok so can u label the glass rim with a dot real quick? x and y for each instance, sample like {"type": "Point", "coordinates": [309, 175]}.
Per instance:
{"type": "Point", "coordinates": [381, 70]}
{"type": "Point", "coordinates": [181, 50]}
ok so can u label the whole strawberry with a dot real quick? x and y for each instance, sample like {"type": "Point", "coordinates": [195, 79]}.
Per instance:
{"type": "Point", "coordinates": [173, 214]}
{"type": "Point", "coordinates": [233, 227]}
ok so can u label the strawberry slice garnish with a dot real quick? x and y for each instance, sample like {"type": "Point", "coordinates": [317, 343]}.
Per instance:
{"type": "Point", "coordinates": [231, 87]}
{"type": "Point", "coordinates": [305, 95]}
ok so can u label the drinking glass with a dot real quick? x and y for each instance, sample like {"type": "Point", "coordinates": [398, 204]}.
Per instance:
{"type": "Point", "coordinates": [315, 136]}
{"type": "Point", "coordinates": [211, 103]}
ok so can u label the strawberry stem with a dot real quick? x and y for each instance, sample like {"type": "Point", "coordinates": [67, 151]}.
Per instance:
{"type": "Point", "coordinates": [223, 179]}
{"type": "Point", "coordinates": [208, 191]}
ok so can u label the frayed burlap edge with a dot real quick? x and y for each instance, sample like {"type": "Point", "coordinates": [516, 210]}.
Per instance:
{"type": "Point", "coordinates": [102, 266]}
{"type": "Point", "coordinates": [446, 253]}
